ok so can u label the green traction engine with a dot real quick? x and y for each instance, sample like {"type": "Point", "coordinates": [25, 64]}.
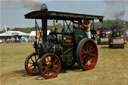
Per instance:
{"type": "Point", "coordinates": [62, 48]}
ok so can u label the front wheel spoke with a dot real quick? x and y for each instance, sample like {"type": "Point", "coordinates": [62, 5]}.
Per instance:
{"type": "Point", "coordinates": [45, 70]}
{"type": "Point", "coordinates": [30, 63]}
{"type": "Point", "coordinates": [33, 69]}
{"type": "Point", "coordinates": [30, 66]}
{"type": "Point", "coordinates": [32, 60]}
{"type": "Point", "coordinates": [55, 67]}
{"type": "Point", "coordinates": [54, 61]}
{"type": "Point", "coordinates": [35, 57]}
{"type": "Point", "coordinates": [44, 62]}
{"type": "Point", "coordinates": [51, 72]}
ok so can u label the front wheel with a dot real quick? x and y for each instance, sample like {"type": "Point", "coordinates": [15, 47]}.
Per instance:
{"type": "Point", "coordinates": [87, 54]}
{"type": "Point", "coordinates": [31, 64]}
{"type": "Point", "coordinates": [49, 65]}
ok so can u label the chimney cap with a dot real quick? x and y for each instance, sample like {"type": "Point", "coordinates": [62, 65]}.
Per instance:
{"type": "Point", "coordinates": [44, 7]}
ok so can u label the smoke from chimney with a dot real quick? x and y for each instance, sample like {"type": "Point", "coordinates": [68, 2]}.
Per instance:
{"type": "Point", "coordinates": [29, 4]}
{"type": "Point", "coordinates": [117, 8]}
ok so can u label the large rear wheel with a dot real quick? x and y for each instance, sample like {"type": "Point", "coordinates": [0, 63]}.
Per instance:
{"type": "Point", "coordinates": [49, 65]}
{"type": "Point", "coordinates": [31, 64]}
{"type": "Point", "coordinates": [87, 54]}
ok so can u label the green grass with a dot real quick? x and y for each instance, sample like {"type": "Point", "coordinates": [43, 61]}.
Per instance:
{"type": "Point", "coordinates": [111, 68]}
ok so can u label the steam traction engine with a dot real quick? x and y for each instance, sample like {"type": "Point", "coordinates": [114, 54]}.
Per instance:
{"type": "Point", "coordinates": [102, 38]}
{"type": "Point", "coordinates": [116, 39]}
{"type": "Point", "coordinates": [61, 49]}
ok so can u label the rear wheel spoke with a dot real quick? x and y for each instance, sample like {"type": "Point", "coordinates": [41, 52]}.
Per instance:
{"type": "Point", "coordinates": [93, 55]}
{"type": "Point", "coordinates": [83, 58]}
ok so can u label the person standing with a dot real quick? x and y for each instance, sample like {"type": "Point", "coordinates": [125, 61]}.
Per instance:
{"type": "Point", "coordinates": [86, 26]}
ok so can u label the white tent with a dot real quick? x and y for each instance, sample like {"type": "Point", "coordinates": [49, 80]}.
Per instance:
{"type": "Point", "coordinates": [33, 33]}
{"type": "Point", "coordinates": [13, 33]}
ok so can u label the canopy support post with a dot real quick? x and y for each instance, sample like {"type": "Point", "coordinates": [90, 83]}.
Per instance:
{"type": "Point", "coordinates": [44, 29]}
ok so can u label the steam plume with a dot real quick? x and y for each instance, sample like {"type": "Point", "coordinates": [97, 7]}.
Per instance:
{"type": "Point", "coordinates": [117, 8]}
{"type": "Point", "coordinates": [29, 4]}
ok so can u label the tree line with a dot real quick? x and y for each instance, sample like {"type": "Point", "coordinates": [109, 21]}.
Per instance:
{"type": "Point", "coordinates": [106, 24]}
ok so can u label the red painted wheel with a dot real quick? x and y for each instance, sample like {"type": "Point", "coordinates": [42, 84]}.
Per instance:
{"type": "Point", "coordinates": [49, 65]}
{"type": "Point", "coordinates": [31, 64]}
{"type": "Point", "coordinates": [87, 54]}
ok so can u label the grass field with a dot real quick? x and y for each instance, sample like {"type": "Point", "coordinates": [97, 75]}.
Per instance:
{"type": "Point", "coordinates": [111, 68]}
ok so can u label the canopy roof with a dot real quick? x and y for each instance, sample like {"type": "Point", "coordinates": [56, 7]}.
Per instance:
{"type": "Point", "coordinates": [61, 15]}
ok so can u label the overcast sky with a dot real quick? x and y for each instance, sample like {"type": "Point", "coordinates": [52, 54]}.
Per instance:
{"type": "Point", "coordinates": [12, 12]}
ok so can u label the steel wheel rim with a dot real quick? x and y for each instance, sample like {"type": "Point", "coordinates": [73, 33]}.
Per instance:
{"type": "Point", "coordinates": [89, 54]}
{"type": "Point", "coordinates": [32, 64]}
{"type": "Point", "coordinates": [50, 66]}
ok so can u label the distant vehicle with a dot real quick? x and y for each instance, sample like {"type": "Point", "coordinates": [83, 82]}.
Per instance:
{"type": "Point", "coordinates": [116, 39]}
{"type": "Point", "coordinates": [126, 36]}
{"type": "Point", "coordinates": [61, 49]}
{"type": "Point", "coordinates": [102, 38]}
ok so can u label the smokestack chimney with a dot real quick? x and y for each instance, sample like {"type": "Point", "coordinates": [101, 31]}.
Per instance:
{"type": "Point", "coordinates": [43, 7]}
